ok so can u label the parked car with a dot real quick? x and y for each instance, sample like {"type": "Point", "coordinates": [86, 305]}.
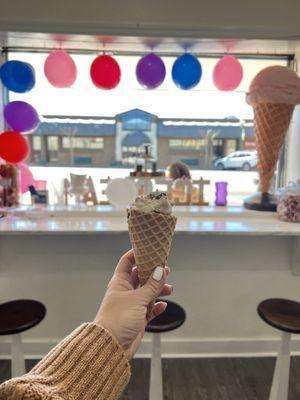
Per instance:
{"type": "Point", "coordinates": [245, 160]}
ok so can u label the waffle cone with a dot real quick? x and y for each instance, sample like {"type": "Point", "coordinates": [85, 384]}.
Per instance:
{"type": "Point", "coordinates": [271, 122]}
{"type": "Point", "coordinates": [150, 235]}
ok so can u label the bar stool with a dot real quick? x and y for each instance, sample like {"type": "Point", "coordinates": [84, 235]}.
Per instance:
{"type": "Point", "coordinates": [16, 317]}
{"type": "Point", "coordinates": [172, 318]}
{"type": "Point", "coordinates": [283, 315]}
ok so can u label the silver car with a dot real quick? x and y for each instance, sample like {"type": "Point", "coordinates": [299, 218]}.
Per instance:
{"type": "Point", "coordinates": [244, 160]}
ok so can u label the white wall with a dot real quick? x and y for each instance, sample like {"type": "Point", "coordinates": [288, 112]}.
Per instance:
{"type": "Point", "coordinates": [215, 18]}
{"type": "Point", "coordinates": [218, 280]}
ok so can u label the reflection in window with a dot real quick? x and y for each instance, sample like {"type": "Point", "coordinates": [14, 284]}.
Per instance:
{"type": "Point", "coordinates": [52, 143]}
{"type": "Point", "coordinates": [92, 143]}
{"type": "Point", "coordinates": [187, 144]}
{"type": "Point", "coordinates": [218, 147]}
{"type": "Point", "coordinates": [37, 143]}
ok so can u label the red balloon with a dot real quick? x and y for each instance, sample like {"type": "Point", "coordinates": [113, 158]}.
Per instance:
{"type": "Point", "coordinates": [14, 147]}
{"type": "Point", "coordinates": [105, 72]}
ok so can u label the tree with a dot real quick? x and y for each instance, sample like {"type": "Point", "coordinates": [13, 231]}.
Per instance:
{"type": "Point", "coordinates": [209, 146]}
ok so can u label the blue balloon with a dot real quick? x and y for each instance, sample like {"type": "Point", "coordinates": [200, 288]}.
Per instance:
{"type": "Point", "coordinates": [17, 76]}
{"type": "Point", "coordinates": [186, 71]}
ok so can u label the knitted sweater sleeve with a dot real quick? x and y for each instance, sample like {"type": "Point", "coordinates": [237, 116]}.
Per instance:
{"type": "Point", "coordinates": [88, 364]}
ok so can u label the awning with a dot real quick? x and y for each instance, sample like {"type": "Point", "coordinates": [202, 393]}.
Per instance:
{"type": "Point", "coordinates": [135, 139]}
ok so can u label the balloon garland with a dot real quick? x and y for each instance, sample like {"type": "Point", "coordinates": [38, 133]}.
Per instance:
{"type": "Point", "coordinates": [105, 72]}
{"type": "Point", "coordinates": [14, 147]}
{"type": "Point", "coordinates": [17, 76]}
{"type": "Point", "coordinates": [21, 116]}
{"type": "Point", "coordinates": [61, 72]}
{"type": "Point", "coordinates": [150, 71]}
{"type": "Point", "coordinates": [26, 177]}
{"type": "Point", "coordinates": [186, 71]}
{"type": "Point", "coordinates": [60, 69]}
{"type": "Point", "coordinates": [228, 73]}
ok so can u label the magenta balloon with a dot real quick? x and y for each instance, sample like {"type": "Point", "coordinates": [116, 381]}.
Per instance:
{"type": "Point", "coordinates": [21, 116]}
{"type": "Point", "coordinates": [26, 177]}
{"type": "Point", "coordinates": [228, 73]}
{"type": "Point", "coordinates": [150, 71]}
{"type": "Point", "coordinates": [60, 69]}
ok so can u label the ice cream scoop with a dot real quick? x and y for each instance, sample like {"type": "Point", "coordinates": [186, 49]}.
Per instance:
{"type": "Point", "coordinates": [275, 84]}
{"type": "Point", "coordinates": [155, 201]}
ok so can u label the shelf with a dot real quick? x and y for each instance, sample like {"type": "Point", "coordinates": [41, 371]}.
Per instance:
{"type": "Point", "coordinates": [104, 219]}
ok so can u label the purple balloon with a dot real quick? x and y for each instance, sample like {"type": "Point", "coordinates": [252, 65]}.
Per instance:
{"type": "Point", "coordinates": [21, 116]}
{"type": "Point", "coordinates": [151, 71]}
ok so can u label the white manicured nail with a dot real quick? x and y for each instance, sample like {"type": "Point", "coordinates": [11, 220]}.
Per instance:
{"type": "Point", "coordinates": [158, 274]}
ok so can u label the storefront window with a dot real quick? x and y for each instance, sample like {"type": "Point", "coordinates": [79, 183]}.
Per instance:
{"type": "Point", "coordinates": [83, 143]}
{"type": "Point", "coordinates": [199, 126]}
{"type": "Point", "coordinates": [36, 143]}
{"type": "Point", "coordinates": [187, 144]}
{"type": "Point", "coordinates": [52, 143]}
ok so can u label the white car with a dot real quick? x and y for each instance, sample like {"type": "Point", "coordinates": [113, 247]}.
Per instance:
{"type": "Point", "coordinates": [245, 160]}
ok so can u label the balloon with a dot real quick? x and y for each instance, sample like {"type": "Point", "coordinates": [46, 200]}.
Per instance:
{"type": "Point", "coordinates": [228, 73]}
{"type": "Point", "coordinates": [21, 116]}
{"type": "Point", "coordinates": [150, 71]}
{"type": "Point", "coordinates": [14, 147]}
{"type": "Point", "coordinates": [121, 192]}
{"type": "Point", "coordinates": [186, 71]}
{"type": "Point", "coordinates": [105, 72]}
{"type": "Point", "coordinates": [17, 76]}
{"type": "Point", "coordinates": [60, 69]}
{"type": "Point", "coordinates": [26, 177]}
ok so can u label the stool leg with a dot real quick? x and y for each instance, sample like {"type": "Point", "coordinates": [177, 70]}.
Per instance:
{"type": "Point", "coordinates": [280, 384]}
{"type": "Point", "coordinates": [17, 357]}
{"type": "Point", "coordinates": [156, 387]}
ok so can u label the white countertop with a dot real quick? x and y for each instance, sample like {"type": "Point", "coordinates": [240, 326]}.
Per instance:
{"type": "Point", "coordinates": [104, 219]}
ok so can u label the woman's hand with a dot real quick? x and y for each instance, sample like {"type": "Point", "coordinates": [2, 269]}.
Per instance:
{"type": "Point", "coordinates": [124, 307]}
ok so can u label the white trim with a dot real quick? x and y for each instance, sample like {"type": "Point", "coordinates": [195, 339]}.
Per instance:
{"type": "Point", "coordinates": [176, 347]}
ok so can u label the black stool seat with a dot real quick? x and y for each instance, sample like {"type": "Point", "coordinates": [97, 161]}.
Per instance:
{"type": "Point", "coordinates": [172, 318]}
{"type": "Point", "coordinates": [19, 315]}
{"type": "Point", "coordinates": [282, 314]}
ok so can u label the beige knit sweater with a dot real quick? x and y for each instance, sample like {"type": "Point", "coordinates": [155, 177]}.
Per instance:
{"type": "Point", "coordinates": [89, 364]}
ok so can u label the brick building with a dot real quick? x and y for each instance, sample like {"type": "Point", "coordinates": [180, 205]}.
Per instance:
{"type": "Point", "coordinates": [108, 142]}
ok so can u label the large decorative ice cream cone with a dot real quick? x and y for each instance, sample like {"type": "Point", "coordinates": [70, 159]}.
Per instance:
{"type": "Point", "coordinates": [273, 93]}
{"type": "Point", "coordinates": [271, 122]}
{"type": "Point", "coordinates": [151, 227]}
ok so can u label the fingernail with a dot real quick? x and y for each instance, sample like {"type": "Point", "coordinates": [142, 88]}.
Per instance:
{"type": "Point", "coordinates": [158, 274]}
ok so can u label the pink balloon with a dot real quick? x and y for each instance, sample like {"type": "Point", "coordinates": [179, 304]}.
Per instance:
{"type": "Point", "coordinates": [60, 69]}
{"type": "Point", "coordinates": [228, 73]}
{"type": "Point", "coordinates": [26, 177]}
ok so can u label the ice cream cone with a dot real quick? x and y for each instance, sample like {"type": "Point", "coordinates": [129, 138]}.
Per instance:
{"type": "Point", "coordinates": [151, 235]}
{"type": "Point", "coordinates": [271, 122]}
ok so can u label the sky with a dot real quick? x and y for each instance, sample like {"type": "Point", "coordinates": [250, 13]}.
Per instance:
{"type": "Point", "coordinates": [167, 101]}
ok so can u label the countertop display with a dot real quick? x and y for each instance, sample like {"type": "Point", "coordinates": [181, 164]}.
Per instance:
{"type": "Point", "coordinates": [104, 219]}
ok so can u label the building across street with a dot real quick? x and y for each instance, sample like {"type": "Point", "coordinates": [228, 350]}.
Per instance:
{"type": "Point", "coordinates": [116, 142]}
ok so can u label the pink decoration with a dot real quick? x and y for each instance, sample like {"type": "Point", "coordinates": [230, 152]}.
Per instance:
{"type": "Point", "coordinates": [228, 73]}
{"type": "Point", "coordinates": [26, 177]}
{"type": "Point", "coordinates": [60, 69]}
{"type": "Point", "coordinates": [288, 208]}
